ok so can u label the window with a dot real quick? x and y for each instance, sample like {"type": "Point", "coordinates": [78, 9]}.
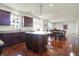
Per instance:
{"type": "Point", "coordinates": [49, 26]}
{"type": "Point", "coordinates": [16, 21]}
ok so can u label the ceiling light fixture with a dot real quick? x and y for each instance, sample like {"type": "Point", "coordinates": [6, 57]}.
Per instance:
{"type": "Point", "coordinates": [61, 12]}
{"type": "Point", "coordinates": [51, 4]}
{"type": "Point", "coordinates": [41, 6]}
{"type": "Point", "coordinates": [33, 12]}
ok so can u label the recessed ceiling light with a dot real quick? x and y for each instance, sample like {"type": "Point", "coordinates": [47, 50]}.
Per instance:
{"type": "Point", "coordinates": [33, 11]}
{"type": "Point", "coordinates": [51, 4]}
{"type": "Point", "coordinates": [61, 12]}
{"type": "Point", "coordinates": [17, 8]}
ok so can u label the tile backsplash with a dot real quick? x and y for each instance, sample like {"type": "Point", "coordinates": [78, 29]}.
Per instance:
{"type": "Point", "coordinates": [27, 29]}
{"type": "Point", "coordinates": [13, 28]}
{"type": "Point", "coordinates": [7, 28]}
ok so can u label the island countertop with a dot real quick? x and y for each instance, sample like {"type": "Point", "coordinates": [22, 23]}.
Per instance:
{"type": "Point", "coordinates": [29, 32]}
{"type": "Point", "coordinates": [39, 32]}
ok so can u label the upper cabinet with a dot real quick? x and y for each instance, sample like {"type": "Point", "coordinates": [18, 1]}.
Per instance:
{"type": "Point", "coordinates": [4, 17]}
{"type": "Point", "coordinates": [1, 18]}
{"type": "Point", "coordinates": [28, 21]}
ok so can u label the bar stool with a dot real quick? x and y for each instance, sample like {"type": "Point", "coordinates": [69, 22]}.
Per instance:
{"type": "Point", "coordinates": [61, 36]}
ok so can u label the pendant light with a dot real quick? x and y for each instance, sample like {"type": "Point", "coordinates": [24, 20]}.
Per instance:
{"type": "Point", "coordinates": [41, 7]}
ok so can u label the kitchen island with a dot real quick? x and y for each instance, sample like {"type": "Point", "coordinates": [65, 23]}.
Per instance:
{"type": "Point", "coordinates": [37, 41]}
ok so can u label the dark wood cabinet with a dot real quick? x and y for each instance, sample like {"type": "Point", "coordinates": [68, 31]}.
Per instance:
{"type": "Point", "coordinates": [4, 17]}
{"type": "Point", "coordinates": [28, 21]}
{"type": "Point", "coordinates": [1, 18]}
{"type": "Point", "coordinates": [12, 38]}
{"type": "Point", "coordinates": [36, 42]}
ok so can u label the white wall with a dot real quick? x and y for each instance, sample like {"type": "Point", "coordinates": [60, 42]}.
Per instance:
{"type": "Point", "coordinates": [37, 24]}
{"type": "Point", "coordinates": [77, 27]}
{"type": "Point", "coordinates": [71, 27]}
{"type": "Point", "coordinates": [48, 25]}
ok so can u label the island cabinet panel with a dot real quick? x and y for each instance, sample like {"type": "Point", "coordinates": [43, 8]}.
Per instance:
{"type": "Point", "coordinates": [12, 38]}
{"type": "Point", "coordinates": [4, 17]}
{"type": "Point", "coordinates": [36, 42]}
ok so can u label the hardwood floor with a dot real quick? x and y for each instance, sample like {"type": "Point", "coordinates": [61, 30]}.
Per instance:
{"type": "Point", "coordinates": [56, 48]}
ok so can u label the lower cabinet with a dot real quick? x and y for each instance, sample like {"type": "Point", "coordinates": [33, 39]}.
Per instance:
{"type": "Point", "coordinates": [12, 38]}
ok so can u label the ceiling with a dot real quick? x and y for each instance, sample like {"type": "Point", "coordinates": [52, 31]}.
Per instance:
{"type": "Point", "coordinates": [55, 11]}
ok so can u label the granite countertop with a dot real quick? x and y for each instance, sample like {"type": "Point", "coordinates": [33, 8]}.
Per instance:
{"type": "Point", "coordinates": [10, 31]}
{"type": "Point", "coordinates": [39, 32]}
